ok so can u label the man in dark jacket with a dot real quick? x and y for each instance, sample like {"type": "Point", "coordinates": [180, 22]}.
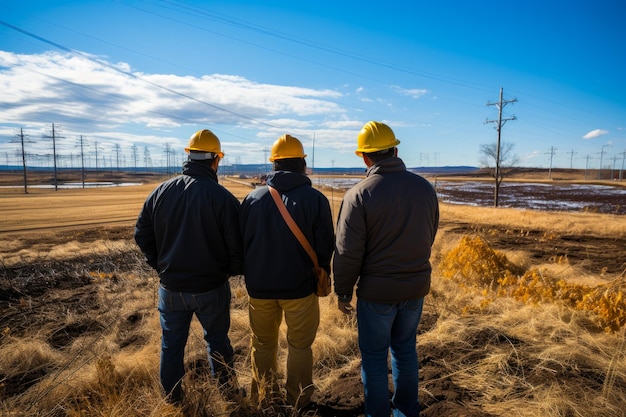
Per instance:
{"type": "Point", "coordinates": [189, 232]}
{"type": "Point", "coordinates": [385, 230]}
{"type": "Point", "coordinates": [279, 273]}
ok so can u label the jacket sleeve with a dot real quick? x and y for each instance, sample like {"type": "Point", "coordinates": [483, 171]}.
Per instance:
{"type": "Point", "coordinates": [144, 234]}
{"type": "Point", "coordinates": [350, 245]}
{"type": "Point", "coordinates": [324, 234]}
{"type": "Point", "coordinates": [232, 235]}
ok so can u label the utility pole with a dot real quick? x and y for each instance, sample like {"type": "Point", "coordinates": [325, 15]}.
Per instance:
{"type": "Point", "coordinates": [23, 160]}
{"type": "Point", "coordinates": [588, 157]}
{"type": "Point", "coordinates": [313, 156]}
{"type": "Point", "coordinates": [118, 148]}
{"type": "Point", "coordinates": [82, 160]}
{"type": "Point", "coordinates": [54, 155]}
{"type": "Point", "coordinates": [23, 138]}
{"type": "Point", "coordinates": [167, 158]}
{"type": "Point", "coordinates": [147, 159]}
{"type": "Point", "coordinates": [500, 122]}
{"type": "Point", "coordinates": [601, 155]}
{"type": "Point", "coordinates": [265, 151]}
{"type": "Point", "coordinates": [134, 154]}
{"type": "Point", "coordinates": [96, 150]}
{"type": "Point", "coordinates": [621, 171]}
{"type": "Point", "coordinates": [571, 159]}
{"type": "Point", "coordinates": [552, 150]}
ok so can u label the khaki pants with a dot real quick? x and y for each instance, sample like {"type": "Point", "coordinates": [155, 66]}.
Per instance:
{"type": "Point", "coordinates": [302, 317]}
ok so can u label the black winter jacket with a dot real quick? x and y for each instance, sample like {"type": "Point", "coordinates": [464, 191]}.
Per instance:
{"type": "Point", "coordinates": [188, 229]}
{"type": "Point", "coordinates": [275, 264]}
{"type": "Point", "coordinates": [386, 228]}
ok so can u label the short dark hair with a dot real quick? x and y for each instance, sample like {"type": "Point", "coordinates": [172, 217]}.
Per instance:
{"type": "Point", "coordinates": [380, 155]}
{"type": "Point", "coordinates": [290, 164]}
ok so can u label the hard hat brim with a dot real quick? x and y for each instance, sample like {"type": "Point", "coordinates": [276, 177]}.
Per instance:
{"type": "Point", "coordinates": [360, 152]}
{"type": "Point", "coordinates": [278, 158]}
{"type": "Point", "coordinates": [220, 154]}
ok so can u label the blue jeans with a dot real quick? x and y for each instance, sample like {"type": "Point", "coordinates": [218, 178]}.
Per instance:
{"type": "Point", "coordinates": [212, 309]}
{"type": "Point", "coordinates": [385, 327]}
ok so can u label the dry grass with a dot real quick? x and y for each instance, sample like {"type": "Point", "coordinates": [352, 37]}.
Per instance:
{"type": "Point", "coordinates": [527, 360]}
{"type": "Point", "coordinates": [556, 222]}
{"type": "Point", "coordinates": [81, 335]}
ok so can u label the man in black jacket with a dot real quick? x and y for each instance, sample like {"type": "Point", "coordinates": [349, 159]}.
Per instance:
{"type": "Point", "coordinates": [385, 230]}
{"type": "Point", "coordinates": [279, 273]}
{"type": "Point", "coordinates": [188, 230]}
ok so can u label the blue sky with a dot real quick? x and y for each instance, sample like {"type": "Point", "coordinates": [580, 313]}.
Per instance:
{"type": "Point", "coordinates": [150, 73]}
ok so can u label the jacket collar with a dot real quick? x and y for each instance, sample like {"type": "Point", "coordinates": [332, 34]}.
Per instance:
{"type": "Point", "coordinates": [393, 164]}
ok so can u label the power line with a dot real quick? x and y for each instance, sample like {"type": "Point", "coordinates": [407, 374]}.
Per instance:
{"type": "Point", "coordinates": [130, 74]}
{"type": "Point", "coordinates": [223, 18]}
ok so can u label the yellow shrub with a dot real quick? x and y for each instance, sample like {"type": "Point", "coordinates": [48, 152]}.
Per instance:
{"type": "Point", "coordinates": [473, 263]}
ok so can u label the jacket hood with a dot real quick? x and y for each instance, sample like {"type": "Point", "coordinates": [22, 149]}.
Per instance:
{"type": "Point", "coordinates": [286, 180]}
{"type": "Point", "coordinates": [199, 169]}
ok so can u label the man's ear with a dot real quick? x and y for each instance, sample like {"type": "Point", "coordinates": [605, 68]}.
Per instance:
{"type": "Point", "coordinates": [367, 160]}
{"type": "Point", "coordinates": [216, 163]}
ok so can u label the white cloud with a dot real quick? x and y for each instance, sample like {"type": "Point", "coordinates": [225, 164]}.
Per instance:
{"type": "Point", "coordinates": [411, 92]}
{"type": "Point", "coordinates": [84, 94]}
{"type": "Point", "coordinates": [595, 133]}
{"type": "Point", "coordinates": [342, 124]}
{"type": "Point", "coordinates": [76, 89]}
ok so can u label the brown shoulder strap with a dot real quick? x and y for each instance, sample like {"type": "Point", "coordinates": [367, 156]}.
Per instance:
{"type": "Point", "coordinates": [292, 225]}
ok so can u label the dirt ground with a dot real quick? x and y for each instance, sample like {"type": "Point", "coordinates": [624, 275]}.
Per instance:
{"type": "Point", "coordinates": [593, 254]}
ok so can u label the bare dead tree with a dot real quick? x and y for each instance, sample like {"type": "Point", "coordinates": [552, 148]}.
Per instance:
{"type": "Point", "coordinates": [504, 161]}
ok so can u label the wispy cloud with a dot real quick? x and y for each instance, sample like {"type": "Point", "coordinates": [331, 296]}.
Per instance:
{"type": "Point", "coordinates": [595, 133]}
{"type": "Point", "coordinates": [411, 92]}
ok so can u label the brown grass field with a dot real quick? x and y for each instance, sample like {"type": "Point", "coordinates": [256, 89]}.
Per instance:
{"type": "Point", "coordinates": [525, 318]}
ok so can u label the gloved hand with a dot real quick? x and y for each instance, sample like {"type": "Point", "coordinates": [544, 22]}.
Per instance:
{"type": "Point", "coordinates": [345, 307]}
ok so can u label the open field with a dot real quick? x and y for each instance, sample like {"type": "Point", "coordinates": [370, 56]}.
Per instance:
{"type": "Point", "coordinates": [80, 331]}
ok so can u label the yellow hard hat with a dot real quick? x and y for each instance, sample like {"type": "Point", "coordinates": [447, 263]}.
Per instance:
{"type": "Point", "coordinates": [285, 147]}
{"type": "Point", "coordinates": [374, 137]}
{"type": "Point", "coordinates": [205, 141]}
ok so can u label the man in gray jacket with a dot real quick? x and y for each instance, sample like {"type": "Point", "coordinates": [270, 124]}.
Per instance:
{"type": "Point", "coordinates": [386, 228]}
